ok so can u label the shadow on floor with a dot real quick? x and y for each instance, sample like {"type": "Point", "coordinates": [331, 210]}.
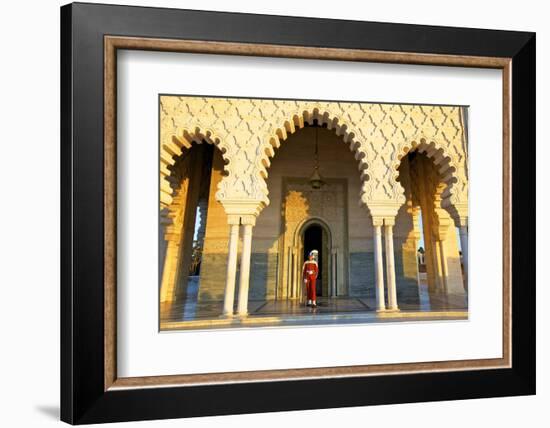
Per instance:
{"type": "Point", "coordinates": [50, 411]}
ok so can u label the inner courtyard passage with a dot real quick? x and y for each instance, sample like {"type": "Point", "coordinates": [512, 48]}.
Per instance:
{"type": "Point", "coordinates": [249, 187]}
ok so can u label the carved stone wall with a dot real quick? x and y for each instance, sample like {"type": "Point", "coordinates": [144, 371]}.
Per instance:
{"type": "Point", "coordinates": [248, 131]}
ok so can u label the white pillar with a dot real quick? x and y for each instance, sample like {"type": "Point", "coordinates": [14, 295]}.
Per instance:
{"type": "Point", "coordinates": [444, 266]}
{"type": "Point", "coordinates": [229, 297]}
{"type": "Point", "coordinates": [334, 267]}
{"type": "Point", "coordinates": [463, 230]}
{"type": "Point", "coordinates": [378, 267]}
{"type": "Point", "coordinates": [242, 308]}
{"type": "Point", "coordinates": [390, 265]}
{"type": "Point", "coordinates": [440, 285]}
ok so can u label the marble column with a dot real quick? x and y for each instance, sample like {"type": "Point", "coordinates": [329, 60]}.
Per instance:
{"type": "Point", "coordinates": [444, 266]}
{"type": "Point", "coordinates": [390, 265]}
{"type": "Point", "coordinates": [463, 230]}
{"type": "Point", "coordinates": [229, 297]}
{"type": "Point", "coordinates": [440, 285]}
{"type": "Point", "coordinates": [378, 266]}
{"type": "Point", "coordinates": [334, 270]}
{"type": "Point", "coordinates": [244, 280]}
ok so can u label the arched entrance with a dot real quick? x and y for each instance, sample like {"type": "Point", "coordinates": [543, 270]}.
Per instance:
{"type": "Point", "coordinates": [295, 201]}
{"type": "Point", "coordinates": [315, 234]}
{"type": "Point", "coordinates": [440, 275]}
{"type": "Point", "coordinates": [315, 238]}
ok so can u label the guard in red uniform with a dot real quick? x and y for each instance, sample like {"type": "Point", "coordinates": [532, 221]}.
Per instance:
{"type": "Point", "coordinates": [309, 273]}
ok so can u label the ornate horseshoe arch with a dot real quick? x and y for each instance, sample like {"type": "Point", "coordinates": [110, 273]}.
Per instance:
{"type": "Point", "coordinates": [451, 172]}
{"type": "Point", "coordinates": [296, 121]}
{"type": "Point", "coordinates": [175, 146]}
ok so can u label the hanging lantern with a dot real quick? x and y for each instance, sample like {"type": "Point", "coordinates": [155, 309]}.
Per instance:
{"type": "Point", "coordinates": [315, 180]}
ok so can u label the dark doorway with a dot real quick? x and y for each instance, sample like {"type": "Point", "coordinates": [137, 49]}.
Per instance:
{"type": "Point", "coordinates": [313, 240]}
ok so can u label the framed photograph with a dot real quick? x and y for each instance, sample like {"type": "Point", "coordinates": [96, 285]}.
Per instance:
{"type": "Point", "coordinates": [265, 213]}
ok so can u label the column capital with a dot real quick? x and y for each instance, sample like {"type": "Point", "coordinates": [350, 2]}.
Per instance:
{"type": "Point", "coordinates": [242, 207]}
{"type": "Point", "coordinates": [248, 220]}
{"type": "Point", "coordinates": [383, 221]}
{"type": "Point", "coordinates": [242, 211]}
{"type": "Point", "coordinates": [389, 221]}
{"type": "Point", "coordinates": [382, 209]}
{"type": "Point", "coordinates": [377, 221]}
{"type": "Point", "coordinates": [233, 220]}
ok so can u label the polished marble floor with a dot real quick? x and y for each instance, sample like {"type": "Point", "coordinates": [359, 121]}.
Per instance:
{"type": "Point", "coordinates": [345, 307]}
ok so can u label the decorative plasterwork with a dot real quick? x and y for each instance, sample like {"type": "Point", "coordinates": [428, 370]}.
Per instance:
{"type": "Point", "coordinates": [248, 132]}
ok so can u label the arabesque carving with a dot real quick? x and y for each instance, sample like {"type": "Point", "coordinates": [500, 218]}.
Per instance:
{"type": "Point", "coordinates": [249, 131]}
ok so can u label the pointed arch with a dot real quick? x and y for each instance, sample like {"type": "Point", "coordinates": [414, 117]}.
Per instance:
{"type": "Point", "coordinates": [447, 169]}
{"type": "Point", "coordinates": [174, 149]}
{"type": "Point", "coordinates": [305, 223]}
{"type": "Point", "coordinates": [301, 119]}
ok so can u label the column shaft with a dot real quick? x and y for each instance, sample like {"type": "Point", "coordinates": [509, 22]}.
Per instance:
{"type": "Point", "coordinates": [444, 267]}
{"type": "Point", "coordinates": [242, 308]}
{"type": "Point", "coordinates": [229, 297]}
{"type": "Point", "coordinates": [390, 268]}
{"type": "Point", "coordinates": [440, 285]}
{"type": "Point", "coordinates": [334, 270]}
{"type": "Point", "coordinates": [464, 246]}
{"type": "Point", "coordinates": [379, 269]}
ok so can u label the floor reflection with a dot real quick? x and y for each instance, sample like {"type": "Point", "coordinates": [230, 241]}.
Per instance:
{"type": "Point", "coordinates": [191, 309]}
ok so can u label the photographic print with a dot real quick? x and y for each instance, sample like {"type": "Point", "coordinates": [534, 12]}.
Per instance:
{"type": "Point", "coordinates": [283, 212]}
{"type": "Point", "coordinates": [289, 215]}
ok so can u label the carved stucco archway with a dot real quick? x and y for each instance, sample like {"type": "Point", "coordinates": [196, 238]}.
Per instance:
{"type": "Point", "coordinates": [176, 145]}
{"type": "Point", "coordinates": [171, 174]}
{"type": "Point", "coordinates": [297, 121]}
{"type": "Point", "coordinates": [248, 131]}
{"type": "Point", "coordinates": [454, 197]}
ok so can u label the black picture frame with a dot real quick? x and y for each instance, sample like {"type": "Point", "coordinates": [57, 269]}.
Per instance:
{"type": "Point", "coordinates": [83, 396]}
